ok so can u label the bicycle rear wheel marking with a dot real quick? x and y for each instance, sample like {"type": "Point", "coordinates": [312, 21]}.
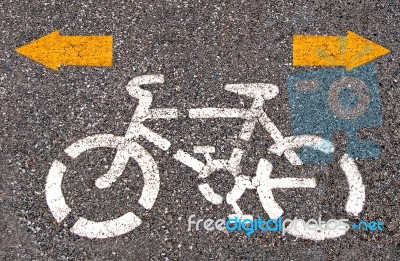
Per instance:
{"type": "Point", "coordinates": [355, 201]}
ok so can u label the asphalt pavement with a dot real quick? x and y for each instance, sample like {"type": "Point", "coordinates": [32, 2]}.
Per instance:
{"type": "Point", "coordinates": [199, 47]}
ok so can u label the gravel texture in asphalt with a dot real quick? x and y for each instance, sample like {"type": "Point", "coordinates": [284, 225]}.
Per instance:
{"type": "Point", "coordinates": [199, 47]}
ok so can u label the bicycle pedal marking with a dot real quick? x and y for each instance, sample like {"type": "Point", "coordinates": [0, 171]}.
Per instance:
{"type": "Point", "coordinates": [127, 148]}
{"type": "Point", "coordinates": [209, 194]}
{"type": "Point", "coordinates": [327, 101]}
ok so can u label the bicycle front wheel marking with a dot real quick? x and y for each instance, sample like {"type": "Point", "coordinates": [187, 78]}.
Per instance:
{"type": "Point", "coordinates": [105, 229]}
{"type": "Point", "coordinates": [54, 195]}
{"type": "Point", "coordinates": [109, 228]}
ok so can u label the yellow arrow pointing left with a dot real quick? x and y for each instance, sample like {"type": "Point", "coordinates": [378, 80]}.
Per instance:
{"type": "Point", "coordinates": [54, 50]}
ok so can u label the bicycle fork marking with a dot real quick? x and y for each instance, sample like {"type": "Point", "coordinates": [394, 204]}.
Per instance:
{"type": "Point", "coordinates": [126, 148]}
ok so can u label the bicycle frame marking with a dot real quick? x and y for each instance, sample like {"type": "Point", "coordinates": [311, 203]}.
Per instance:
{"type": "Point", "coordinates": [259, 92]}
{"type": "Point", "coordinates": [262, 181]}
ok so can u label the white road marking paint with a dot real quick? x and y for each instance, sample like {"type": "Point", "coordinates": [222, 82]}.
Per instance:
{"type": "Point", "coordinates": [355, 202]}
{"type": "Point", "coordinates": [316, 142]}
{"type": "Point", "coordinates": [241, 184]}
{"type": "Point", "coordinates": [260, 92]}
{"type": "Point", "coordinates": [116, 169]}
{"type": "Point", "coordinates": [106, 229]}
{"type": "Point", "coordinates": [91, 142]}
{"type": "Point", "coordinates": [212, 113]}
{"type": "Point", "coordinates": [247, 129]}
{"type": "Point", "coordinates": [209, 194]}
{"type": "Point", "coordinates": [54, 197]}
{"type": "Point", "coordinates": [277, 136]}
{"type": "Point", "coordinates": [143, 111]}
{"type": "Point", "coordinates": [300, 231]}
{"type": "Point", "coordinates": [265, 184]}
{"type": "Point", "coordinates": [188, 160]}
{"type": "Point", "coordinates": [145, 97]}
{"type": "Point", "coordinates": [127, 148]}
{"type": "Point", "coordinates": [136, 130]}
{"type": "Point", "coordinates": [265, 90]}
{"type": "Point", "coordinates": [232, 165]}
{"type": "Point", "coordinates": [292, 183]}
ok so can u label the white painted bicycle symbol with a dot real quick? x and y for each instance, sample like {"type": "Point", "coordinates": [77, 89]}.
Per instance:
{"type": "Point", "coordinates": [127, 147]}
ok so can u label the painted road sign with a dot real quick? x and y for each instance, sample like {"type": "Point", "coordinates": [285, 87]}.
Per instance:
{"type": "Point", "coordinates": [54, 50]}
{"type": "Point", "coordinates": [350, 51]}
{"type": "Point", "coordinates": [92, 170]}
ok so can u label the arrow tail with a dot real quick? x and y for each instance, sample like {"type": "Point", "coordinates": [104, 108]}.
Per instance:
{"type": "Point", "coordinates": [309, 50]}
{"type": "Point", "coordinates": [86, 50]}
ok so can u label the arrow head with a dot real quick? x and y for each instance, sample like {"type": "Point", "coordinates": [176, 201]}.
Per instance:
{"type": "Point", "coordinates": [360, 50]}
{"type": "Point", "coordinates": [44, 50]}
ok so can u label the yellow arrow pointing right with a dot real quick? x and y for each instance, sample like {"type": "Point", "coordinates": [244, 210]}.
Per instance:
{"type": "Point", "coordinates": [350, 51]}
{"type": "Point", "coordinates": [360, 50]}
